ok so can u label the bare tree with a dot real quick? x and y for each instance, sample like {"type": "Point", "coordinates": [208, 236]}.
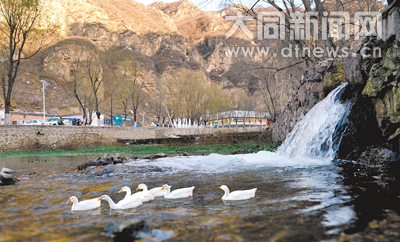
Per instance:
{"type": "Point", "coordinates": [20, 39]}
{"type": "Point", "coordinates": [109, 61]}
{"type": "Point", "coordinates": [173, 99]}
{"type": "Point", "coordinates": [265, 78]}
{"type": "Point", "coordinates": [72, 80]}
{"type": "Point", "coordinates": [123, 94]}
{"type": "Point", "coordinates": [137, 83]}
{"type": "Point", "coordinates": [317, 9]}
{"type": "Point", "coordinates": [89, 107]}
{"type": "Point", "coordinates": [156, 105]}
{"type": "Point", "coordinates": [94, 71]}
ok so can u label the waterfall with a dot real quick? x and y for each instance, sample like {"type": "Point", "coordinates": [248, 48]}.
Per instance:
{"type": "Point", "coordinates": [314, 135]}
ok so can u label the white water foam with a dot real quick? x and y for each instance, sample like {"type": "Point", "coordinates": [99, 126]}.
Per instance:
{"type": "Point", "coordinates": [313, 135]}
{"type": "Point", "coordinates": [216, 163]}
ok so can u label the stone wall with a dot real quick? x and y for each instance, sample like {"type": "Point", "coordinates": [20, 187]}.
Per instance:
{"type": "Point", "coordinates": [33, 137]}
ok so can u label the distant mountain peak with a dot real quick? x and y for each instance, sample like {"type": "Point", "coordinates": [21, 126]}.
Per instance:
{"type": "Point", "coordinates": [178, 10]}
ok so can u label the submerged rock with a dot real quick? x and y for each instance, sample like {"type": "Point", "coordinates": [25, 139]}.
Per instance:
{"type": "Point", "coordinates": [102, 162]}
{"type": "Point", "coordinates": [92, 171]}
{"type": "Point", "coordinates": [145, 169]}
{"type": "Point", "coordinates": [126, 231]}
{"type": "Point", "coordinates": [149, 157]}
{"type": "Point", "coordinates": [377, 157]}
{"type": "Point", "coordinates": [156, 156]}
{"type": "Point", "coordinates": [98, 162]}
{"type": "Point", "coordinates": [159, 155]}
{"type": "Point", "coordinates": [242, 152]}
{"type": "Point", "coordinates": [136, 229]}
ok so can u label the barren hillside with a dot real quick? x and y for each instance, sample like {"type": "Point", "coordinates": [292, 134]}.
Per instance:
{"type": "Point", "coordinates": [165, 39]}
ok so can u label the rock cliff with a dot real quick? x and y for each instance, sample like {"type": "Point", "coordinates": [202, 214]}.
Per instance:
{"type": "Point", "coordinates": [373, 73]}
{"type": "Point", "coordinates": [165, 38]}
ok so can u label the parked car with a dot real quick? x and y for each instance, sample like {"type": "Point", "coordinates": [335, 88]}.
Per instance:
{"type": "Point", "coordinates": [53, 121]}
{"type": "Point", "coordinates": [35, 122]}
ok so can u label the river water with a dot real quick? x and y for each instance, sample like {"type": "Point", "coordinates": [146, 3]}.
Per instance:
{"type": "Point", "coordinates": [303, 193]}
{"type": "Point", "coordinates": [297, 199]}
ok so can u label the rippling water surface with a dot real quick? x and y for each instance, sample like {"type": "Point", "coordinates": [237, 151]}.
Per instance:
{"type": "Point", "coordinates": [297, 200]}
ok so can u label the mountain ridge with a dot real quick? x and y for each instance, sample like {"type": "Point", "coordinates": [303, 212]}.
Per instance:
{"type": "Point", "coordinates": [183, 39]}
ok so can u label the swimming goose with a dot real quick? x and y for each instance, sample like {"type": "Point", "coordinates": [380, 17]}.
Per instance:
{"type": "Point", "coordinates": [158, 192]}
{"type": "Point", "coordinates": [6, 178]}
{"type": "Point", "coordinates": [178, 193]}
{"type": "Point", "coordinates": [147, 195]}
{"type": "Point", "coordinates": [131, 202]}
{"type": "Point", "coordinates": [83, 205]}
{"type": "Point", "coordinates": [238, 195]}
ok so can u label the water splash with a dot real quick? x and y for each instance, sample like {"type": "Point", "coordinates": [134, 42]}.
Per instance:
{"type": "Point", "coordinates": [217, 163]}
{"type": "Point", "coordinates": [313, 136]}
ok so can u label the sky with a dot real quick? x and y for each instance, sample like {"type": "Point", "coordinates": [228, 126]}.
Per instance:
{"type": "Point", "coordinates": [199, 3]}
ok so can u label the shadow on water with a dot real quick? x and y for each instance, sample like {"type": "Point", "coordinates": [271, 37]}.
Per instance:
{"type": "Point", "coordinates": [375, 193]}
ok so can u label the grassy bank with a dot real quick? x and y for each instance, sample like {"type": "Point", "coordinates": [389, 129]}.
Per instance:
{"type": "Point", "coordinates": [147, 149]}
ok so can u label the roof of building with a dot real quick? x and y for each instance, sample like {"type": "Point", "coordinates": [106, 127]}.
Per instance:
{"type": "Point", "coordinates": [117, 116]}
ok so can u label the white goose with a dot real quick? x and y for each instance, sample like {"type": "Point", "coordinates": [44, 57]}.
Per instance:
{"type": "Point", "coordinates": [6, 178]}
{"type": "Point", "coordinates": [147, 195]}
{"type": "Point", "coordinates": [238, 195]}
{"type": "Point", "coordinates": [83, 205]}
{"type": "Point", "coordinates": [178, 193]}
{"type": "Point", "coordinates": [132, 202]}
{"type": "Point", "coordinates": [158, 192]}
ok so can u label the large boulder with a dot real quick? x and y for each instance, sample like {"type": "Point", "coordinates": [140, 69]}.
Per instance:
{"type": "Point", "coordinates": [334, 76]}
{"type": "Point", "coordinates": [353, 71]}
{"type": "Point", "coordinates": [377, 81]}
{"type": "Point", "coordinates": [317, 71]}
{"type": "Point", "coordinates": [361, 130]}
{"type": "Point", "coordinates": [376, 157]}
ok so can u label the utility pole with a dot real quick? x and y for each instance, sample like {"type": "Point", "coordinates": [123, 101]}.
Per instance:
{"type": "Point", "coordinates": [45, 84]}
{"type": "Point", "coordinates": [112, 123]}
{"type": "Point", "coordinates": [170, 120]}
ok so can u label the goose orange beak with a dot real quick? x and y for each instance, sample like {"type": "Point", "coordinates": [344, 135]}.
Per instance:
{"type": "Point", "coordinates": [100, 199]}
{"type": "Point", "coordinates": [137, 188]}
{"type": "Point", "coordinates": [162, 188]}
{"type": "Point", "coordinates": [121, 190]}
{"type": "Point", "coordinates": [69, 200]}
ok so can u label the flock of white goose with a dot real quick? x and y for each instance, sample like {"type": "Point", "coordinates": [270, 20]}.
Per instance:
{"type": "Point", "coordinates": [134, 200]}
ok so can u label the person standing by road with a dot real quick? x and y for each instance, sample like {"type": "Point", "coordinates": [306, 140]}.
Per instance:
{"type": "Point", "coordinates": [59, 121]}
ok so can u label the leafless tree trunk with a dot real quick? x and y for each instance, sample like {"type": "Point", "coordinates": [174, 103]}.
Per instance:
{"type": "Point", "coordinates": [19, 40]}
{"type": "Point", "coordinates": [136, 89]}
{"type": "Point", "coordinates": [94, 70]}
{"type": "Point", "coordinates": [157, 107]}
